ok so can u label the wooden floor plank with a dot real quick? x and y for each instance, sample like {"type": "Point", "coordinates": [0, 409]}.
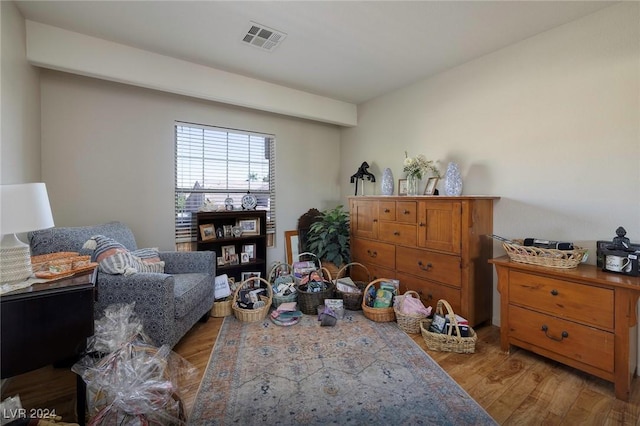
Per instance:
{"type": "Point", "coordinates": [519, 388]}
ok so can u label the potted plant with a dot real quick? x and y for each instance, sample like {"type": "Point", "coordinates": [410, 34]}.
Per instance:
{"type": "Point", "coordinates": [328, 238]}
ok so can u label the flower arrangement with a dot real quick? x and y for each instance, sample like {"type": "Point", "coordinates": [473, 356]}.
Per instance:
{"type": "Point", "coordinates": [416, 166]}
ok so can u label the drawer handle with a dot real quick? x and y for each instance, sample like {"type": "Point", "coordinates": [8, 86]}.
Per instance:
{"type": "Point", "coordinates": [406, 212]}
{"type": "Point", "coordinates": [372, 253]}
{"type": "Point", "coordinates": [422, 224]}
{"type": "Point", "coordinates": [554, 292]}
{"type": "Point", "coordinates": [387, 210]}
{"type": "Point", "coordinates": [423, 266]}
{"type": "Point", "coordinates": [375, 220]}
{"type": "Point", "coordinates": [396, 233]}
{"type": "Point", "coordinates": [546, 333]}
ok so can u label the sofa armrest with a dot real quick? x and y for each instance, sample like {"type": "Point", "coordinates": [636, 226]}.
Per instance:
{"type": "Point", "coordinates": [149, 289]}
{"type": "Point", "coordinates": [186, 262]}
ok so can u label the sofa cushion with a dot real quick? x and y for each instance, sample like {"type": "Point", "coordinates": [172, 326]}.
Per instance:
{"type": "Point", "coordinates": [189, 290]}
{"type": "Point", "coordinates": [54, 240]}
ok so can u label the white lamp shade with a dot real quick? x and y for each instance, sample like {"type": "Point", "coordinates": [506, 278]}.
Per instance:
{"type": "Point", "coordinates": [24, 207]}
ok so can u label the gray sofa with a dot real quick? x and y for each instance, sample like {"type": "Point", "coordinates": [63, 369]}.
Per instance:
{"type": "Point", "coordinates": [168, 304]}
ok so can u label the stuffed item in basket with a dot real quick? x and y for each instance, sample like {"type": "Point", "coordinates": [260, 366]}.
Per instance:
{"type": "Point", "coordinates": [411, 305]}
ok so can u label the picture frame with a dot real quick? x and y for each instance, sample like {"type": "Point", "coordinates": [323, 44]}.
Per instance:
{"type": "Point", "coordinates": [220, 261]}
{"type": "Point", "coordinates": [430, 189]}
{"type": "Point", "coordinates": [227, 251]}
{"type": "Point", "coordinates": [244, 257]}
{"type": "Point", "coordinates": [402, 187]}
{"type": "Point", "coordinates": [228, 231]}
{"type": "Point", "coordinates": [207, 231]}
{"type": "Point", "coordinates": [246, 275]}
{"type": "Point", "coordinates": [249, 226]}
{"type": "Point", "coordinates": [250, 250]}
{"type": "Point", "coordinates": [234, 259]}
{"type": "Point", "coordinates": [291, 246]}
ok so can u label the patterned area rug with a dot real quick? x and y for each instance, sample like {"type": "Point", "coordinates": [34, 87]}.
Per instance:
{"type": "Point", "coordinates": [358, 372]}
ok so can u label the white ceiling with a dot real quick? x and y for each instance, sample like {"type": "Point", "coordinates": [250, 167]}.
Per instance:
{"type": "Point", "coordinates": [352, 51]}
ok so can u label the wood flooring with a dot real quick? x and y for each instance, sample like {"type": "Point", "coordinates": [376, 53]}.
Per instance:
{"type": "Point", "coordinates": [519, 388]}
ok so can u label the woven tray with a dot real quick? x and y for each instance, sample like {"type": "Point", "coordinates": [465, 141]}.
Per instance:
{"type": "Point", "coordinates": [563, 259]}
{"type": "Point", "coordinates": [252, 315]}
{"type": "Point", "coordinates": [409, 323]}
{"type": "Point", "coordinates": [448, 342]}
{"type": "Point", "coordinates": [378, 314]}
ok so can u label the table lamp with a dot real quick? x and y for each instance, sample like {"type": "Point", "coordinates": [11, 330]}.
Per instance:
{"type": "Point", "coordinates": [23, 207]}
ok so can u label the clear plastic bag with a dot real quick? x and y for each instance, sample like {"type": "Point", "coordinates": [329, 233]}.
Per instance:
{"type": "Point", "coordinates": [130, 381]}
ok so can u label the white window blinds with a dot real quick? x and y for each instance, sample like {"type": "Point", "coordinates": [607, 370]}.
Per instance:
{"type": "Point", "coordinates": [213, 164]}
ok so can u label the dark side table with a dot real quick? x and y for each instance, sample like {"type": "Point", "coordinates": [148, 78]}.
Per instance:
{"type": "Point", "coordinates": [48, 323]}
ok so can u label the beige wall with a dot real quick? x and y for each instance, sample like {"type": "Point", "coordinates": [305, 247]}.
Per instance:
{"type": "Point", "coordinates": [550, 124]}
{"type": "Point", "coordinates": [20, 105]}
{"type": "Point", "coordinates": [108, 154]}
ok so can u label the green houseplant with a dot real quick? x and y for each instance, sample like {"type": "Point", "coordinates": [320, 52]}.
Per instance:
{"type": "Point", "coordinates": [328, 237]}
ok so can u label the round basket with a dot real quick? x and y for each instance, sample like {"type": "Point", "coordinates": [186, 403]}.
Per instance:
{"type": "Point", "coordinates": [276, 280]}
{"type": "Point", "coordinates": [448, 342]}
{"type": "Point", "coordinates": [252, 315]}
{"type": "Point", "coordinates": [309, 301]}
{"type": "Point", "coordinates": [409, 323]}
{"type": "Point", "coordinates": [562, 259]}
{"type": "Point", "coordinates": [352, 301]}
{"type": "Point", "coordinates": [377, 314]}
{"type": "Point", "coordinates": [222, 308]}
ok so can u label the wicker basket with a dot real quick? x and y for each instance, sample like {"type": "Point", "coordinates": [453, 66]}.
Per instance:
{"type": "Point", "coordinates": [222, 308]}
{"type": "Point", "coordinates": [309, 301]}
{"type": "Point", "coordinates": [252, 315]}
{"type": "Point", "coordinates": [552, 258]}
{"type": "Point", "coordinates": [448, 342]}
{"type": "Point", "coordinates": [409, 323]}
{"type": "Point", "coordinates": [352, 301]}
{"type": "Point", "coordinates": [41, 262]}
{"type": "Point", "coordinates": [378, 314]}
{"type": "Point", "coordinates": [274, 281]}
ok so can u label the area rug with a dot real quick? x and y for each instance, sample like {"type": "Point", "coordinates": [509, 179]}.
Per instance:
{"type": "Point", "coordinates": [358, 372]}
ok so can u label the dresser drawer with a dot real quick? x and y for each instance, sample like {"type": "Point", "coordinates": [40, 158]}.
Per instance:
{"type": "Point", "coordinates": [429, 265]}
{"type": "Point", "coordinates": [368, 251]}
{"type": "Point", "coordinates": [406, 211]}
{"type": "Point", "coordinates": [398, 233]}
{"type": "Point", "coordinates": [581, 343]}
{"type": "Point", "coordinates": [430, 292]}
{"type": "Point", "coordinates": [573, 301]}
{"type": "Point", "coordinates": [387, 210]}
{"type": "Point", "coordinates": [375, 272]}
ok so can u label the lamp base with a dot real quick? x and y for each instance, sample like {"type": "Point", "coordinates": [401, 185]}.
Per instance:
{"type": "Point", "coordinates": [15, 260]}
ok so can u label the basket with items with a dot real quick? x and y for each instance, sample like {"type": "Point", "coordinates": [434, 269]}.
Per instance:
{"type": "Point", "coordinates": [224, 287]}
{"type": "Point", "coordinates": [252, 300]}
{"type": "Point", "coordinates": [377, 302]}
{"type": "Point", "coordinates": [553, 254]}
{"type": "Point", "coordinates": [283, 283]}
{"type": "Point", "coordinates": [448, 332]}
{"type": "Point", "coordinates": [350, 291]}
{"type": "Point", "coordinates": [410, 311]}
{"type": "Point", "coordinates": [313, 289]}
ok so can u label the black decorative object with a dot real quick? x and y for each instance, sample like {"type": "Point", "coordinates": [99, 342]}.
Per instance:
{"type": "Point", "coordinates": [363, 174]}
{"type": "Point", "coordinates": [619, 255]}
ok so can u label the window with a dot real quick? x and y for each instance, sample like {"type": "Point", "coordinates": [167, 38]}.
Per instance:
{"type": "Point", "coordinates": [213, 164]}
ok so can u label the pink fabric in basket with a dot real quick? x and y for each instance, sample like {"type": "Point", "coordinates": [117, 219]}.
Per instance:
{"type": "Point", "coordinates": [411, 305]}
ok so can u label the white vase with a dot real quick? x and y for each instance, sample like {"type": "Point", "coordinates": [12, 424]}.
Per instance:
{"type": "Point", "coordinates": [386, 185]}
{"type": "Point", "coordinates": [453, 180]}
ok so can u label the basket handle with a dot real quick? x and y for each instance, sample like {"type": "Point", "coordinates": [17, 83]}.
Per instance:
{"type": "Point", "coordinates": [452, 317]}
{"type": "Point", "coordinates": [245, 282]}
{"type": "Point", "coordinates": [344, 268]}
{"type": "Point", "coordinates": [374, 282]}
{"type": "Point", "coordinates": [311, 254]}
{"type": "Point", "coordinates": [275, 267]}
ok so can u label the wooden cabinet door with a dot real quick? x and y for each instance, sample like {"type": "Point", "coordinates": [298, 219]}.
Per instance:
{"type": "Point", "coordinates": [439, 225]}
{"type": "Point", "coordinates": [364, 218]}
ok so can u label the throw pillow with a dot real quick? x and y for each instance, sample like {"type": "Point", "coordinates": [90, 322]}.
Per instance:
{"type": "Point", "coordinates": [113, 258]}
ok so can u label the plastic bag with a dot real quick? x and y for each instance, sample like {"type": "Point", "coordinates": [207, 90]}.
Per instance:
{"type": "Point", "coordinates": [134, 383]}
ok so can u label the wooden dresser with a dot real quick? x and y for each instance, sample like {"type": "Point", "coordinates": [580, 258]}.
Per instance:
{"type": "Point", "coordinates": [581, 317]}
{"type": "Point", "coordinates": [435, 245]}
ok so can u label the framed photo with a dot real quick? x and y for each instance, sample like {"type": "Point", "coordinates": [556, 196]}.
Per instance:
{"type": "Point", "coordinates": [228, 231]}
{"type": "Point", "coordinates": [234, 259]}
{"type": "Point", "coordinates": [227, 251]}
{"type": "Point", "coordinates": [244, 257]}
{"type": "Point", "coordinates": [402, 187]}
{"type": "Point", "coordinates": [250, 250]}
{"type": "Point", "coordinates": [207, 231]}
{"type": "Point", "coordinates": [220, 261]}
{"type": "Point", "coordinates": [291, 245]}
{"type": "Point", "coordinates": [431, 186]}
{"type": "Point", "coordinates": [249, 226]}
{"type": "Point", "coordinates": [246, 275]}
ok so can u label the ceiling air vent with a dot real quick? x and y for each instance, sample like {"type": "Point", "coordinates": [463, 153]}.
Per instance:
{"type": "Point", "coordinates": [263, 37]}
